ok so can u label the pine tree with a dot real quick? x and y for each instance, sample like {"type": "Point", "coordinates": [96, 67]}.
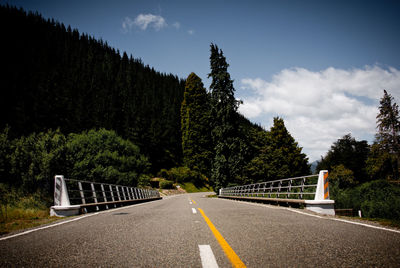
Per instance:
{"type": "Point", "coordinates": [350, 153]}
{"type": "Point", "coordinates": [280, 157]}
{"type": "Point", "coordinates": [388, 136]}
{"type": "Point", "coordinates": [195, 126]}
{"type": "Point", "coordinates": [227, 145]}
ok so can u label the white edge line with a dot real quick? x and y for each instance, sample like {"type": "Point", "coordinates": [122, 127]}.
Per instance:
{"type": "Point", "coordinates": [322, 217]}
{"type": "Point", "coordinates": [71, 220]}
{"type": "Point", "coordinates": [45, 227]}
{"type": "Point", "coordinates": [347, 221]}
{"type": "Point", "coordinates": [207, 257]}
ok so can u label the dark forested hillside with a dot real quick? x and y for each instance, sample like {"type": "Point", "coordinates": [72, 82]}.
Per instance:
{"type": "Point", "coordinates": [54, 77]}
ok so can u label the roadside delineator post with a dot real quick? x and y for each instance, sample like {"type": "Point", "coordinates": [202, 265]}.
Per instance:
{"type": "Point", "coordinates": [321, 203]}
{"type": "Point", "coordinates": [62, 207]}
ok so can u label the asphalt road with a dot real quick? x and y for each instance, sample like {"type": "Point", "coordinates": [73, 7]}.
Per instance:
{"type": "Point", "coordinates": [168, 232]}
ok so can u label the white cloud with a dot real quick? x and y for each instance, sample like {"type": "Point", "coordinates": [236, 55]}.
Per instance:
{"type": "Point", "coordinates": [144, 21]}
{"type": "Point", "coordinates": [321, 107]}
{"type": "Point", "coordinates": [149, 20]}
{"type": "Point", "coordinates": [127, 24]}
{"type": "Point", "coordinates": [191, 32]}
{"type": "Point", "coordinates": [176, 25]}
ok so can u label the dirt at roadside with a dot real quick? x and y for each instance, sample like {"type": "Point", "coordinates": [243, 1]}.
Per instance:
{"type": "Point", "coordinates": [165, 192]}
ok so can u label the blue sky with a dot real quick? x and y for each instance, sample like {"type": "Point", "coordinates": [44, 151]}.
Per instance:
{"type": "Point", "coordinates": [321, 65]}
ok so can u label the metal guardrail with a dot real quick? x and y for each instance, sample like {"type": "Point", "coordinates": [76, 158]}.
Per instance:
{"type": "Point", "coordinates": [293, 188]}
{"type": "Point", "coordinates": [71, 196]}
{"type": "Point", "coordinates": [311, 190]}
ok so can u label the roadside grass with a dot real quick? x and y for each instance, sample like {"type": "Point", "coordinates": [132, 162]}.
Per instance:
{"type": "Point", "coordinates": [190, 187]}
{"type": "Point", "coordinates": [24, 212]}
{"type": "Point", "coordinates": [15, 224]}
{"type": "Point", "coordinates": [385, 222]}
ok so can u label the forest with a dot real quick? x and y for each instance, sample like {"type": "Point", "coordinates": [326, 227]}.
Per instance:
{"type": "Point", "coordinates": [73, 105]}
{"type": "Point", "coordinates": [61, 86]}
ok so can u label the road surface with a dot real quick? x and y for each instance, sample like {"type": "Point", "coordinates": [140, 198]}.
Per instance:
{"type": "Point", "coordinates": [172, 232]}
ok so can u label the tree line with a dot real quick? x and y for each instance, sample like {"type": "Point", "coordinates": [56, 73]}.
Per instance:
{"type": "Point", "coordinates": [55, 77]}
{"type": "Point", "coordinates": [364, 176]}
{"type": "Point", "coordinates": [72, 105]}
{"type": "Point", "coordinates": [226, 146]}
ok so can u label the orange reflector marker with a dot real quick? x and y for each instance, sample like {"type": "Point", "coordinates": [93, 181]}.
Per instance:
{"type": "Point", "coordinates": [326, 186]}
{"type": "Point", "coordinates": [232, 256]}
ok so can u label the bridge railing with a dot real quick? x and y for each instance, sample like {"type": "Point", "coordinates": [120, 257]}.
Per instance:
{"type": "Point", "coordinates": [292, 188]}
{"type": "Point", "coordinates": [312, 190]}
{"type": "Point", "coordinates": [74, 196]}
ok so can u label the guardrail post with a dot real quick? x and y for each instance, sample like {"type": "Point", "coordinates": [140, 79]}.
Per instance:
{"type": "Point", "coordinates": [94, 195]}
{"type": "Point", "coordinates": [303, 182]}
{"type": "Point", "coordinates": [279, 188]}
{"type": "Point", "coordinates": [271, 185]}
{"type": "Point", "coordinates": [289, 189]}
{"type": "Point", "coordinates": [82, 194]}
{"type": "Point", "coordinates": [132, 194]}
{"type": "Point", "coordinates": [104, 194]}
{"type": "Point", "coordinates": [119, 196]}
{"type": "Point", "coordinates": [112, 194]}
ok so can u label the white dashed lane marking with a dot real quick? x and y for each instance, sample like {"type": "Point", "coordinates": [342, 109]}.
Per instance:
{"type": "Point", "coordinates": [207, 257]}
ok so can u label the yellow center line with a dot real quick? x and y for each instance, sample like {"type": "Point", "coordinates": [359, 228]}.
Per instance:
{"type": "Point", "coordinates": [194, 202]}
{"type": "Point", "coordinates": [232, 256]}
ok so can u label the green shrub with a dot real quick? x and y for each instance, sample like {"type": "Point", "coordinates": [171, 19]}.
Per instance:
{"type": "Point", "coordinates": [144, 180]}
{"type": "Point", "coordinates": [5, 152]}
{"type": "Point", "coordinates": [165, 184]}
{"type": "Point", "coordinates": [35, 160]}
{"type": "Point", "coordinates": [376, 199]}
{"type": "Point", "coordinates": [191, 188]}
{"type": "Point", "coordinates": [184, 174]}
{"type": "Point", "coordinates": [163, 173]}
{"type": "Point", "coordinates": [380, 199]}
{"type": "Point", "coordinates": [101, 155]}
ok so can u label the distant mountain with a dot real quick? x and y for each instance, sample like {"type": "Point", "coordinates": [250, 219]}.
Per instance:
{"type": "Point", "coordinates": [314, 167]}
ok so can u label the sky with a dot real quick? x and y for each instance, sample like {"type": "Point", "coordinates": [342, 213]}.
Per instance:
{"type": "Point", "coordinates": [320, 65]}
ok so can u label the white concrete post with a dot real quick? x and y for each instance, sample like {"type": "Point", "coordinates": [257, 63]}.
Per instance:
{"type": "Point", "coordinates": [321, 203]}
{"type": "Point", "coordinates": [62, 206]}
{"type": "Point", "coordinates": [60, 190]}
{"type": "Point", "coordinates": [322, 192]}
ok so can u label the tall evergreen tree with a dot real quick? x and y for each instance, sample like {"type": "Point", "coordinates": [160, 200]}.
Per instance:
{"type": "Point", "coordinates": [227, 145]}
{"type": "Point", "coordinates": [350, 153]}
{"type": "Point", "coordinates": [195, 126]}
{"type": "Point", "coordinates": [388, 136]}
{"type": "Point", "coordinates": [280, 156]}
